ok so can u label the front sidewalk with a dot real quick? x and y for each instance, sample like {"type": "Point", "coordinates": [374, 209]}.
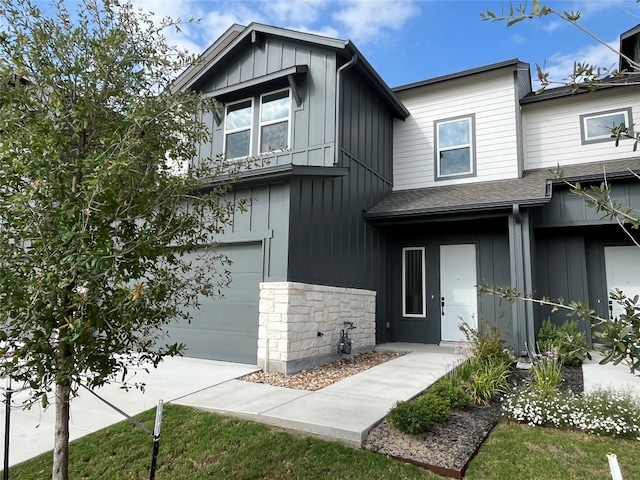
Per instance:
{"type": "Point", "coordinates": [345, 411]}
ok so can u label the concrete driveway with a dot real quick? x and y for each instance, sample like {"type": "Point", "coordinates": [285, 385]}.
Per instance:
{"type": "Point", "coordinates": [31, 431]}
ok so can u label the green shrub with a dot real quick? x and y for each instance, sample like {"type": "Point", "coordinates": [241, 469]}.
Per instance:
{"type": "Point", "coordinates": [418, 415]}
{"type": "Point", "coordinates": [546, 373]}
{"type": "Point", "coordinates": [491, 377]}
{"type": "Point", "coordinates": [450, 389]}
{"type": "Point", "coordinates": [462, 372]}
{"type": "Point", "coordinates": [569, 343]}
{"type": "Point", "coordinates": [620, 337]}
{"type": "Point", "coordinates": [486, 343]}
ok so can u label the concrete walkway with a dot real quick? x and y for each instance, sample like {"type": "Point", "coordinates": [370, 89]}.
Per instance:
{"type": "Point", "coordinates": [609, 376]}
{"type": "Point", "coordinates": [345, 411]}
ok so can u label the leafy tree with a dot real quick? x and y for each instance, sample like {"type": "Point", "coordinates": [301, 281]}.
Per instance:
{"type": "Point", "coordinates": [619, 337]}
{"type": "Point", "coordinates": [95, 219]}
{"type": "Point", "coordinates": [584, 75]}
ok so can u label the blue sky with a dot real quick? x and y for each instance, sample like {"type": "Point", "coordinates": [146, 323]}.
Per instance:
{"type": "Point", "coordinates": [409, 40]}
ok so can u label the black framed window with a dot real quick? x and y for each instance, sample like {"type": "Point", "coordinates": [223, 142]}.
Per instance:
{"type": "Point", "coordinates": [413, 282]}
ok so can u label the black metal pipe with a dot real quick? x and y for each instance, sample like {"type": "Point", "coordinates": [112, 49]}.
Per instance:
{"type": "Point", "coordinates": [7, 423]}
{"type": "Point", "coordinates": [154, 458]}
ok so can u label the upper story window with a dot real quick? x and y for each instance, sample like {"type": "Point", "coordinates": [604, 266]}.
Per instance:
{"type": "Point", "coordinates": [596, 127]}
{"type": "Point", "coordinates": [237, 129]}
{"type": "Point", "coordinates": [455, 152]}
{"type": "Point", "coordinates": [275, 109]}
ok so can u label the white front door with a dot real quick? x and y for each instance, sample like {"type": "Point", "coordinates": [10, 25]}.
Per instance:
{"type": "Point", "coordinates": [458, 295]}
{"type": "Point", "coordinates": [622, 267]}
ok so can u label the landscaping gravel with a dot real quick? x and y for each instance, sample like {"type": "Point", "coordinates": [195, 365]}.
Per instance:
{"type": "Point", "coordinates": [322, 376]}
{"type": "Point", "coordinates": [448, 447]}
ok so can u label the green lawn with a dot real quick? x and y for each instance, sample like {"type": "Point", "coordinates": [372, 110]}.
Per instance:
{"type": "Point", "coordinates": [199, 445]}
{"type": "Point", "coordinates": [521, 452]}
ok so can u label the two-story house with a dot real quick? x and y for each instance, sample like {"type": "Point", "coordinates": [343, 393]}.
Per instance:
{"type": "Point", "coordinates": [304, 258]}
{"type": "Point", "coordinates": [387, 207]}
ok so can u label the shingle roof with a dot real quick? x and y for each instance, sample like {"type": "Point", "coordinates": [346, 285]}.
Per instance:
{"type": "Point", "coordinates": [571, 90]}
{"type": "Point", "coordinates": [534, 188]}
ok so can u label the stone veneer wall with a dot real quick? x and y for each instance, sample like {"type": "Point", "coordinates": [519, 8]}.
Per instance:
{"type": "Point", "coordinates": [300, 324]}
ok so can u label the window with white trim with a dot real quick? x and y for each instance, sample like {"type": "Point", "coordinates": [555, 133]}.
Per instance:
{"type": "Point", "coordinates": [413, 282]}
{"type": "Point", "coordinates": [275, 109]}
{"type": "Point", "coordinates": [454, 147]}
{"type": "Point", "coordinates": [596, 127]}
{"type": "Point", "coordinates": [237, 129]}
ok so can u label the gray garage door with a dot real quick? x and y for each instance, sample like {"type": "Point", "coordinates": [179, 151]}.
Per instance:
{"type": "Point", "coordinates": [227, 328]}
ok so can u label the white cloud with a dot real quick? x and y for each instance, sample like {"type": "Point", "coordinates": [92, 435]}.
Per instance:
{"type": "Point", "coordinates": [288, 12]}
{"type": "Point", "coordinates": [187, 38]}
{"type": "Point", "coordinates": [552, 25]}
{"type": "Point", "coordinates": [365, 21]}
{"type": "Point", "coordinates": [216, 22]}
{"type": "Point", "coordinates": [560, 66]}
{"type": "Point", "coordinates": [517, 38]}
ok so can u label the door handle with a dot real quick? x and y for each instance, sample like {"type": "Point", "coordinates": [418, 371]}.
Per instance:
{"type": "Point", "coordinates": [442, 304]}
{"type": "Point", "coordinates": [611, 309]}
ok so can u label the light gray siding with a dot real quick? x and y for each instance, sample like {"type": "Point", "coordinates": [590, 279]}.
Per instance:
{"type": "Point", "coordinates": [312, 123]}
{"type": "Point", "coordinates": [495, 109]}
{"type": "Point", "coordinates": [552, 128]}
{"type": "Point", "coordinates": [266, 221]}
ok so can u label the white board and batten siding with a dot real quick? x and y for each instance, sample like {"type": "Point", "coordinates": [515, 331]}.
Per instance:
{"type": "Point", "coordinates": [490, 97]}
{"type": "Point", "coordinates": [552, 128]}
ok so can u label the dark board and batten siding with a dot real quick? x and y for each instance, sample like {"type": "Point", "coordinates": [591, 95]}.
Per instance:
{"type": "Point", "coordinates": [490, 236]}
{"type": "Point", "coordinates": [567, 209]}
{"type": "Point", "coordinates": [330, 242]}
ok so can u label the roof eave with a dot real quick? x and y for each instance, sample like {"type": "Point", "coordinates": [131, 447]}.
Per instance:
{"type": "Point", "coordinates": [513, 63]}
{"type": "Point", "coordinates": [194, 71]}
{"type": "Point", "coordinates": [421, 212]}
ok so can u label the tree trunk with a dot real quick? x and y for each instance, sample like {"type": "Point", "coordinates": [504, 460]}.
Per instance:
{"type": "Point", "coordinates": [61, 433]}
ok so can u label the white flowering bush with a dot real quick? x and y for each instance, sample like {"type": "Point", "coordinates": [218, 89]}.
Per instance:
{"type": "Point", "coordinates": [601, 412]}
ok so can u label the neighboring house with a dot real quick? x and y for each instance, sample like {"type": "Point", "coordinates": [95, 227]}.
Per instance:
{"type": "Point", "coordinates": [386, 207]}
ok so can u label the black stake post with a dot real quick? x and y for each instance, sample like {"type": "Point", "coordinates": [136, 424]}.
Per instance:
{"type": "Point", "coordinates": [156, 440]}
{"type": "Point", "coordinates": [7, 422]}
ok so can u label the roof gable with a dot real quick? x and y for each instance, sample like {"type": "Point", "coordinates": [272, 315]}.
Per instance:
{"type": "Point", "coordinates": [238, 38]}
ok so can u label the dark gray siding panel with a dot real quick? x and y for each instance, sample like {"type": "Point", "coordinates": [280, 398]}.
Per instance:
{"type": "Point", "coordinates": [561, 273]}
{"type": "Point", "coordinates": [493, 267]}
{"type": "Point", "coordinates": [330, 242]}
{"type": "Point", "coordinates": [567, 209]}
{"type": "Point", "coordinates": [366, 127]}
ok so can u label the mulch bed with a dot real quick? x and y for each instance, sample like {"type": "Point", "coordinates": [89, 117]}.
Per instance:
{"type": "Point", "coordinates": [448, 447]}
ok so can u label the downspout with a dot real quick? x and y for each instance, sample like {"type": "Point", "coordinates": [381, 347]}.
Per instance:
{"type": "Point", "coordinates": [338, 137]}
{"type": "Point", "coordinates": [521, 271]}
